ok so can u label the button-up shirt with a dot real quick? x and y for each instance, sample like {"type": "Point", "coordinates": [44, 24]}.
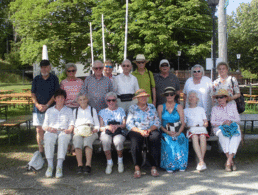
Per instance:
{"type": "Point", "coordinates": [62, 119]}
{"type": "Point", "coordinates": [96, 90]}
{"type": "Point", "coordinates": [125, 84]}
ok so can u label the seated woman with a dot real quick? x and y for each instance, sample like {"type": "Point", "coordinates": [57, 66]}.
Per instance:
{"type": "Point", "coordinates": [174, 144]}
{"type": "Point", "coordinates": [58, 124]}
{"type": "Point", "coordinates": [112, 122]}
{"type": "Point", "coordinates": [224, 119]}
{"type": "Point", "coordinates": [196, 121]}
{"type": "Point", "coordinates": [143, 123]}
{"type": "Point", "coordinates": [85, 132]}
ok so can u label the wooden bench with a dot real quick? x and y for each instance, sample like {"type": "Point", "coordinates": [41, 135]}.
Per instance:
{"type": "Point", "coordinates": [248, 118]}
{"type": "Point", "coordinates": [15, 123]}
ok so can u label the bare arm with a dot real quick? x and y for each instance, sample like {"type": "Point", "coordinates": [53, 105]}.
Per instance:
{"type": "Point", "coordinates": [181, 114]}
{"type": "Point", "coordinates": [154, 96]}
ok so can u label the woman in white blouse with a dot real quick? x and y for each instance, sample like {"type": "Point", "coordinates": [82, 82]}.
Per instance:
{"type": "Point", "coordinates": [125, 86]}
{"type": "Point", "coordinates": [84, 116]}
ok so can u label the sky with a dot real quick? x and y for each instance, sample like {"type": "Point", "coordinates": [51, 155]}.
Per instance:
{"type": "Point", "coordinates": [233, 4]}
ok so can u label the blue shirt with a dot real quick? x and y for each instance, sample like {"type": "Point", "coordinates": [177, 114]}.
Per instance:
{"type": "Point", "coordinates": [44, 89]}
{"type": "Point", "coordinates": [109, 115]}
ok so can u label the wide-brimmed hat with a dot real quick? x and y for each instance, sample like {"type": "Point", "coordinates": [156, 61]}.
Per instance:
{"type": "Point", "coordinates": [164, 61]}
{"type": "Point", "coordinates": [169, 90]}
{"type": "Point", "coordinates": [222, 92]}
{"type": "Point", "coordinates": [140, 57]}
{"type": "Point", "coordinates": [140, 93]}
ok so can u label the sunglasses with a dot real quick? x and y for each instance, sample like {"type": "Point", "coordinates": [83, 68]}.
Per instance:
{"type": "Point", "coordinates": [164, 65]}
{"type": "Point", "coordinates": [108, 66]}
{"type": "Point", "coordinates": [71, 70]}
{"type": "Point", "coordinates": [111, 100]}
{"type": "Point", "coordinates": [220, 97]}
{"type": "Point", "coordinates": [141, 62]}
{"type": "Point", "coordinates": [124, 65]}
{"type": "Point", "coordinates": [169, 94]}
{"type": "Point", "coordinates": [98, 68]}
{"type": "Point", "coordinates": [195, 71]}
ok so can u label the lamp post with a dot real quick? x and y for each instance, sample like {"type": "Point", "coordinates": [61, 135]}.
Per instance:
{"type": "Point", "coordinates": [178, 55]}
{"type": "Point", "coordinates": [238, 58]}
{"type": "Point", "coordinates": [213, 4]}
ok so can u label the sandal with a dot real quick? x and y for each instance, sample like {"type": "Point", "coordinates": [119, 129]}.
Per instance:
{"type": "Point", "coordinates": [228, 168]}
{"type": "Point", "coordinates": [234, 168]}
{"type": "Point", "coordinates": [154, 172]}
{"type": "Point", "coordinates": [137, 174]}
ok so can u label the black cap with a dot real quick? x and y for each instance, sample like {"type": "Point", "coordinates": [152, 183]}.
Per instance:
{"type": "Point", "coordinates": [44, 63]}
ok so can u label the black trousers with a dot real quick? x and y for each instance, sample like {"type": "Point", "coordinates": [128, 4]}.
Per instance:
{"type": "Point", "coordinates": [154, 146]}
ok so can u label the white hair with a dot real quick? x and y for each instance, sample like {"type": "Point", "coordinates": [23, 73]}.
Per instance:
{"type": "Point", "coordinates": [80, 95]}
{"type": "Point", "coordinates": [97, 62]}
{"type": "Point", "coordinates": [69, 65]}
{"type": "Point", "coordinates": [196, 95]}
{"type": "Point", "coordinates": [126, 60]}
{"type": "Point", "coordinates": [197, 66]}
{"type": "Point", "coordinates": [111, 94]}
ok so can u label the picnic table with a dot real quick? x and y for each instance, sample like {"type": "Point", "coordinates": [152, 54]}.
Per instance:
{"type": "Point", "coordinates": [26, 90]}
{"type": "Point", "coordinates": [6, 91]}
{"type": "Point", "coordinates": [251, 97]}
{"type": "Point", "coordinates": [3, 110]}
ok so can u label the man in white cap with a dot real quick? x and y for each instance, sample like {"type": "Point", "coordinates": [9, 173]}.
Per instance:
{"type": "Point", "coordinates": [145, 78]}
{"type": "Point", "coordinates": [165, 79]}
{"type": "Point", "coordinates": [42, 92]}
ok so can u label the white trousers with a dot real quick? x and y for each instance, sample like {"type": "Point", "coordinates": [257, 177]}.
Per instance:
{"type": "Point", "coordinates": [63, 140]}
{"type": "Point", "coordinates": [229, 145]}
{"type": "Point", "coordinates": [107, 141]}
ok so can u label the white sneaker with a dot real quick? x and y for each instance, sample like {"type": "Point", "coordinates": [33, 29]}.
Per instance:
{"type": "Point", "coordinates": [49, 172]}
{"type": "Point", "coordinates": [169, 171]}
{"type": "Point", "coordinates": [199, 167]}
{"type": "Point", "coordinates": [120, 167]}
{"type": "Point", "coordinates": [59, 172]}
{"type": "Point", "coordinates": [203, 167]}
{"type": "Point", "coordinates": [109, 168]}
{"type": "Point", "coordinates": [182, 170]}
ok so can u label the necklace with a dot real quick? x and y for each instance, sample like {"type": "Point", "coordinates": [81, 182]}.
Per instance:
{"type": "Point", "coordinates": [143, 107]}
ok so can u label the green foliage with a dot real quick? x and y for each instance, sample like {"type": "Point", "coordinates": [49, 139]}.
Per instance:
{"type": "Point", "coordinates": [243, 36]}
{"type": "Point", "coordinates": [248, 75]}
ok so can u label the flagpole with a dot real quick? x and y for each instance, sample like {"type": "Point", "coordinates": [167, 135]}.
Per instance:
{"type": "Point", "coordinates": [91, 44]}
{"type": "Point", "coordinates": [103, 38]}
{"type": "Point", "coordinates": [126, 27]}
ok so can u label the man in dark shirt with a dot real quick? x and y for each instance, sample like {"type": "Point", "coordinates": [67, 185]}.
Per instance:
{"type": "Point", "coordinates": [42, 91]}
{"type": "Point", "coordinates": [165, 79]}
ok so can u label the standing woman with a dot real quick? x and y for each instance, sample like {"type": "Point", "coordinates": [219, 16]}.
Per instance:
{"type": "Point", "coordinates": [226, 82]}
{"type": "Point", "coordinates": [174, 145]}
{"type": "Point", "coordinates": [196, 122]}
{"type": "Point", "coordinates": [71, 85]}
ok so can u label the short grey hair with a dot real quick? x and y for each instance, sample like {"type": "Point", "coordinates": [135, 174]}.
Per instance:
{"type": "Point", "coordinates": [97, 62]}
{"type": "Point", "coordinates": [109, 94]}
{"type": "Point", "coordinates": [80, 94]}
{"type": "Point", "coordinates": [196, 95]}
{"type": "Point", "coordinates": [69, 65]}
{"type": "Point", "coordinates": [127, 60]}
{"type": "Point", "coordinates": [197, 66]}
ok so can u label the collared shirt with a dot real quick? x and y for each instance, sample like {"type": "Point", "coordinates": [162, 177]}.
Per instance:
{"type": "Point", "coordinates": [161, 83]}
{"type": "Point", "coordinates": [145, 81]}
{"type": "Point", "coordinates": [62, 119]}
{"type": "Point", "coordinates": [125, 84]}
{"type": "Point", "coordinates": [96, 90]}
{"type": "Point", "coordinates": [72, 88]}
{"type": "Point", "coordinates": [142, 119]}
{"type": "Point", "coordinates": [109, 115]}
{"type": "Point", "coordinates": [84, 116]}
{"type": "Point", "coordinates": [44, 89]}
{"type": "Point", "coordinates": [203, 90]}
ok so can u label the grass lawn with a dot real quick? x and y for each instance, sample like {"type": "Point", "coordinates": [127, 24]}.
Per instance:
{"type": "Point", "coordinates": [17, 88]}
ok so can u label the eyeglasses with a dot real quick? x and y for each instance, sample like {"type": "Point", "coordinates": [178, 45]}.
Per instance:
{"type": "Point", "coordinates": [98, 68]}
{"type": "Point", "coordinates": [108, 66]}
{"type": "Point", "coordinates": [71, 70]}
{"type": "Point", "coordinates": [126, 65]}
{"type": "Point", "coordinates": [171, 94]}
{"type": "Point", "coordinates": [164, 65]}
{"type": "Point", "coordinates": [220, 97]}
{"type": "Point", "coordinates": [111, 100]}
{"type": "Point", "coordinates": [195, 71]}
{"type": "Point", "coordinates": [141, 62]}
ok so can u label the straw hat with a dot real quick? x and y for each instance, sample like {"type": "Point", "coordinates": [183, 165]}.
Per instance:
{"type": "Point", "coordinates": [140, 93]}
{"type": "Point", "coordinates": [222, 92]}
{"type": "Point", "coordinates": [169, 90]}
{"type": "Point", "coordinates": [140, 58]}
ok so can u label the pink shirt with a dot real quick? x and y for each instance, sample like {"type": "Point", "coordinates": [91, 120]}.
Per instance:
{"type": "Point", "coordinates": [72, 88]}
{"type": "Point", "coordinates": [220, 114]}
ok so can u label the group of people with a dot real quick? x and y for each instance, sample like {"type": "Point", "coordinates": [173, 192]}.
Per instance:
{"type": "Point", "coordinates": [113, 108]}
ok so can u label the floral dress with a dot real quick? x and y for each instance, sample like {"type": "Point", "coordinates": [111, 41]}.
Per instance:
{"type": "Point", "coordinates": [174, 150]}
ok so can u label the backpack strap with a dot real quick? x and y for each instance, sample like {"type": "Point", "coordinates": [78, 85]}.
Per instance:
{"type": "Point", "coordinates": [76, 113]}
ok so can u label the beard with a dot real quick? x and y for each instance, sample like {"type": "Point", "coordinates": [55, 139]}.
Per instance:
{"type": "Point", "coordinates": [45, 74]}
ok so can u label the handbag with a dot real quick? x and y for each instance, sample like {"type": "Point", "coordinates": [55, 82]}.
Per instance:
{"type": "Point", "coordinates": [84, 130]}
{"type": "Point", "coordinates": [240, 102]}
{"type": "Point", "coordinates": [174, 127]}
{"type": "Point", "coordinates": [126, 97]}
{"type": "Point", "coordinates": [36, 162]}
{"type": "Point", "coordinates": [118, 131]}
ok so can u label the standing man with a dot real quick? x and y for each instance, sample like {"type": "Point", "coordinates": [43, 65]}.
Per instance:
{"type": "Point", "coordinates": [145, 78]}
{"type": "Point", "coordinates": [108, 69]}
{"type": "Point", "coordinates": [97, 86]}
{"type": "Point", "coordinates": [165, 79]}
{"type": "Point", "coordinates": [42, 92]}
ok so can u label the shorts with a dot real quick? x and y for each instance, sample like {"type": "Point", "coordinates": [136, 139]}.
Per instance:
{"type": "Point", "coordinates": [38, 118]}
{"type": "Point", "coordinates": [81, 142]}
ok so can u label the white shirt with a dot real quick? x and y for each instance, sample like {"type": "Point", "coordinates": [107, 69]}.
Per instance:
{"type": "Point", "coordinates": [203, 90]}
{"type": "Point", "coordinates": [62, 119]}
{"type": "Point", "coordinates": [84, 116]}
{"type": "Point", "coordinates": [125, 84]}
{"type": "Point", "coordinates": [194, 116]}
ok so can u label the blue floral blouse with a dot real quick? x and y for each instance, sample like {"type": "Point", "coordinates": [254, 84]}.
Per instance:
{"type": "Point", "coordinates": [109, 115]}
{"type": "Point", "coordinates": [142, 119]}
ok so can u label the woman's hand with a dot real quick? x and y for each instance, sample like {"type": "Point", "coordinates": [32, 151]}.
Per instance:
{"type": "Point", "coordinates": [145, 133]}
{"type": "Point", "coordinates": [172, 133]}
{"type": "Point", "coordinates": [51, 130]}
{"type": "Point", "coordinates": [95, 131]}
{"type": "Point", "coordinates": [68, 131]}
{"type": "Point", "coordinates": [227, 122]}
